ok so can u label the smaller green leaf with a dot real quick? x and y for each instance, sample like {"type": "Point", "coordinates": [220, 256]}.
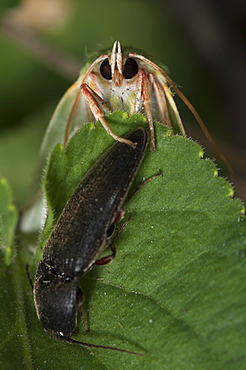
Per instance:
{"type": "Point", "coordinates": [8, 221]}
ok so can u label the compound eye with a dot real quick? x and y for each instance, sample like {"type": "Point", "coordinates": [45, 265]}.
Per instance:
{"type": "Point", "coordinates": [130, 68]}
{"type": "Point", "coordinates": [105, 70]}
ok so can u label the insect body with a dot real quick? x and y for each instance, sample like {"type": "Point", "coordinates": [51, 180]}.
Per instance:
{"type": "Point", "coordinates": [80, 235]}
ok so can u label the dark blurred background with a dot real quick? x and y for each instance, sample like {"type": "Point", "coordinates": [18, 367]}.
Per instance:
{"type": "Point", "coordinates": [44, 43]}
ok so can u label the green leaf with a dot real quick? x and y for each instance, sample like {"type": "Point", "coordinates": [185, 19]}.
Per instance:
{"type": "Point", "coordinates": [176, 289]}
{"type": "Point", "coordinates": [8, 221]}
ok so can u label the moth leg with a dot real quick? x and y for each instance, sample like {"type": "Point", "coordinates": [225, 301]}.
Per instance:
{"type": "Point", "coordinates": [146, 93]}
{"type": "Point", "coordinates": [143, 96]}
{"type": "Point", "coordinates": [94, 101]}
